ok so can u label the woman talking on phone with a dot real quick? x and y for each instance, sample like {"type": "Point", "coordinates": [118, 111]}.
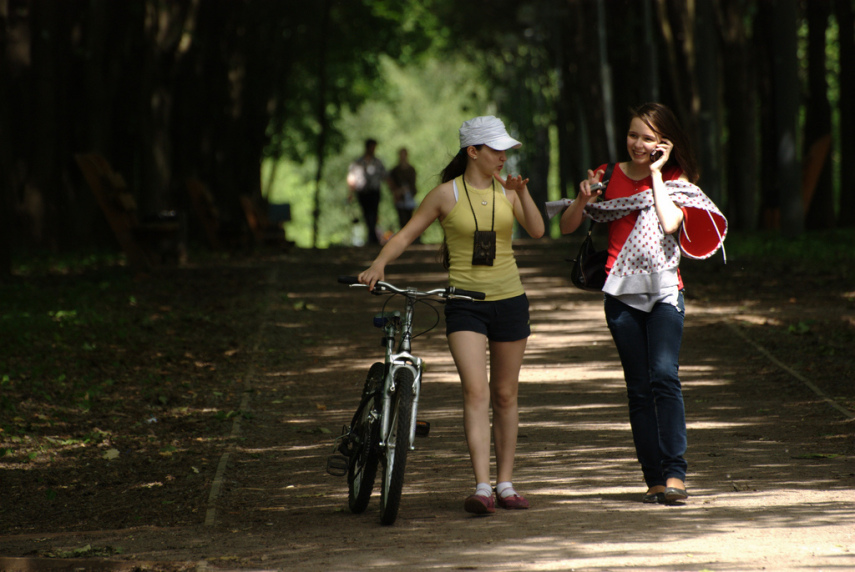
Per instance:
{"type": "Point", "coordinates": [477, 208]}
{"type": "Point", "coordinates": [654, 210]}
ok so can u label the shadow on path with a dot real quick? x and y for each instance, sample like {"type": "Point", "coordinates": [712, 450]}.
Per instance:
{"type": "Point", "coordinates": [770, 464]}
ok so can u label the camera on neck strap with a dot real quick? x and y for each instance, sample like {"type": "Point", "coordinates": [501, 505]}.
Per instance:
{"type": "Point", "coordinates": [484, 242]}
{"type": "Point", "coordinates": [484, 248]}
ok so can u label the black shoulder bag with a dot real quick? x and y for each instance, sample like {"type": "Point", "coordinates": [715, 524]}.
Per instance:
{"type": "Point", "coordinates": [588, 269]}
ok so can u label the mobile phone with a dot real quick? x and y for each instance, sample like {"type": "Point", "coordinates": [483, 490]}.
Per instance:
{"type": "Point", "coordinates": [598, 186]}
{"type": "Point", "coordinates": [656, 155]}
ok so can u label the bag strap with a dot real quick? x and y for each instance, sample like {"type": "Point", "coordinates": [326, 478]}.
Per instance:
{"type": "Point", "coordinates": [607, 177]}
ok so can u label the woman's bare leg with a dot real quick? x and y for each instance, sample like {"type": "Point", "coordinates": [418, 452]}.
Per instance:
{"type": "Point", "coordinates": [505, 362]}
{"type": "Point", "coordinates": [469, 350]}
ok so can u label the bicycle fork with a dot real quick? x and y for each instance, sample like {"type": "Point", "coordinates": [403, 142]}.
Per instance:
{"type": "Point", "coordinates": [414, 364]}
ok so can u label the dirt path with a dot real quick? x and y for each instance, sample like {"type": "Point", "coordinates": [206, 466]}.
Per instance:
{"type": "Point", "coordinates": [771, 462]}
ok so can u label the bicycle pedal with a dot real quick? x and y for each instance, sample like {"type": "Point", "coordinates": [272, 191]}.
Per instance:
{"type": "Point", "coordinates": [342, 442]}
{"type": "Point", "coordinates": [337, 465]}
{"type": "Point", "coordinates": [422, 428]}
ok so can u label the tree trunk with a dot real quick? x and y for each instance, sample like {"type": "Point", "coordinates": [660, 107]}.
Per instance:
{"type": "Point", "coordinates": [7, 188]}
{"type": "Point", "coordinates": [165, 25]}
{"type": "Point", "coordinates": [322, 119]}
{"type": "Point", "coordinates": [706, 73]}
{"type": "Point", "coordinates": [95, 100]}
{"type": "Point", "coordinates": [770, 199]}
{"type": "Point", "coordinates": [563, 110]}
{"type": "Point", "coordinates": [675, 23]}
{"type": "Point", "coordinates": [817, 187]}
{"type": "Point", "coordinates": [846, 106]}
{"type": "Point", "coordinates": [606, 82]}
{"type": "Point", "coordinates": [539, 164]}
{"type": "Point", "coordinates": [567, 40]}
{"type": "Point", "coordinates": [590, 113]}
{"type": "Point", "coordinates": [43, 190]}
{"type": "Point", "coordinates": [649, 55]}
{"type": "Point", "coordinates": [786, 109]}
{"type": "Point", "coordinates": [740, 95]}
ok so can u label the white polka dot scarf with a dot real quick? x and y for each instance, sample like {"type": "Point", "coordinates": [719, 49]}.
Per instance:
{"type": "Point", "coordinates": [648, 252]}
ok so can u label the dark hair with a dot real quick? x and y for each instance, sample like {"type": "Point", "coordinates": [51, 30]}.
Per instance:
{"type": "Point", "coordinates": [664, 123]}
{"type": "Point", "coordinates": [457, 166]}
{"type": "Point", "coordinates": [454, 169]}
{"type": "Point", "coordinates": [370, 142]}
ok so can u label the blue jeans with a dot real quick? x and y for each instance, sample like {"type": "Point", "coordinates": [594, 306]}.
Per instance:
{"type": "Point", "coordinates": [649, 347]}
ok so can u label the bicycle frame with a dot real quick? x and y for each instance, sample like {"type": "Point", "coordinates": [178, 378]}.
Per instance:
{"type": "Point", "coordinates": [393, 327]}
{"type": "Point", "coordinates": [376, 435]}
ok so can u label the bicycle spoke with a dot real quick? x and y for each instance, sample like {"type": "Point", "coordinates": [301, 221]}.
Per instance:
{"type": "Point", "coordinates": [367, 453]}
{"type": "Point", "coordinates": [363, 464]}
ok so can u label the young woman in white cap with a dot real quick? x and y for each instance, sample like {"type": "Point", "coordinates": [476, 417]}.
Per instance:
{"type": "Point", "coordinates": [477, 208]}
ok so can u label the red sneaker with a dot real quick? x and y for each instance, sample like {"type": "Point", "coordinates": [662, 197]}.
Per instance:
{"type": "Point", "coordinates": [479, 504]}
{"type": "Point", "coordinates": [513, 502]}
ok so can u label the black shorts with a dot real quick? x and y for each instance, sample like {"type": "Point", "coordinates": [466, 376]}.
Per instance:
{"type": "Point", "coordinates": [501, 321]}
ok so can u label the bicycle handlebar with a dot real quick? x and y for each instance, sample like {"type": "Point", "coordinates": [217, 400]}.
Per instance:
{"type": "Point", "coordinates": [449, 292]}
{"type": "Point", "coordinates": [455, 292]}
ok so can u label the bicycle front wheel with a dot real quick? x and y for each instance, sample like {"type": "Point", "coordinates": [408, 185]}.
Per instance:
{"type": "Point", "coordinates": [397, 446]}
{"type": "Point", "coordinates": [366, 431]}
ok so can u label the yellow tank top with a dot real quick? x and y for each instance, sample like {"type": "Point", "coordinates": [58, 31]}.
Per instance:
{"type": "Point", "coordinates": [500, 281]}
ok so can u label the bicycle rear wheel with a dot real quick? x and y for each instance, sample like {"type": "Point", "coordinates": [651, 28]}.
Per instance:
{"type": "Point", "coordinates": [366, 432]}
{"type": "Point", "coordinates": [397, 446]}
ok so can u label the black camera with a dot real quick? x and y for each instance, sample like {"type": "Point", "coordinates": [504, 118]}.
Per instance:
{"type": "Point", "coordinates": [484, 248]}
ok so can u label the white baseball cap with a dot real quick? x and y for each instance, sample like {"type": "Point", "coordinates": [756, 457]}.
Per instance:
{"type": "Point", "coordinates": [487, 130]}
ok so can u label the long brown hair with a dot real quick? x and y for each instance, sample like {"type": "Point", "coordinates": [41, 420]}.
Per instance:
{"type": "Point", "coordinates": [664, 123]}
{"type": "Point", "coordinates": [454, 169]}
{"type": "Point", "coordinates": [457, 166]}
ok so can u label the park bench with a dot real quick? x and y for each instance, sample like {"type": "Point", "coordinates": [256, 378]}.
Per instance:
{"type": "Point", "coordinates": [206, 211]}
{"type": "Point", "coordinates": [267, 224]}
{"type": "Point", "coordinates": [148, 241]}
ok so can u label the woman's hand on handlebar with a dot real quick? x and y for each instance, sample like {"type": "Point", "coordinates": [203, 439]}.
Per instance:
{"type": "Point", "coordinates": [372, 275]}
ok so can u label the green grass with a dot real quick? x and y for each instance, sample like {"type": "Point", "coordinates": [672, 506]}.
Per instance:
{"type": "Point", "coordinates": [827, 249]}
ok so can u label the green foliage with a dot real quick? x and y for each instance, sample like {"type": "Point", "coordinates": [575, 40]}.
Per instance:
{"type": "Point", "coordinates": [420, 108]}
{"type": "Point", "coordinates": [799, 329]}
{"type": "Point", "coordinates": [81, 343]}
{"type": "Point", "coordinates": [826, 249]}
{"type": "Point", "coordinates": [341, 64]}
{"type": "Point", "coordinates": [39, 324]}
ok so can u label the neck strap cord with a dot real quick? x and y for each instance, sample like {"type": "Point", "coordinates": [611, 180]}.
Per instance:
{"type": "Point", "coordinates": [493, 186]}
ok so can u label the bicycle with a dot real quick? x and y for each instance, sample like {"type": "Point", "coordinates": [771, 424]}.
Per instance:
{"type": "Point", "coordinates": [384, 426]}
